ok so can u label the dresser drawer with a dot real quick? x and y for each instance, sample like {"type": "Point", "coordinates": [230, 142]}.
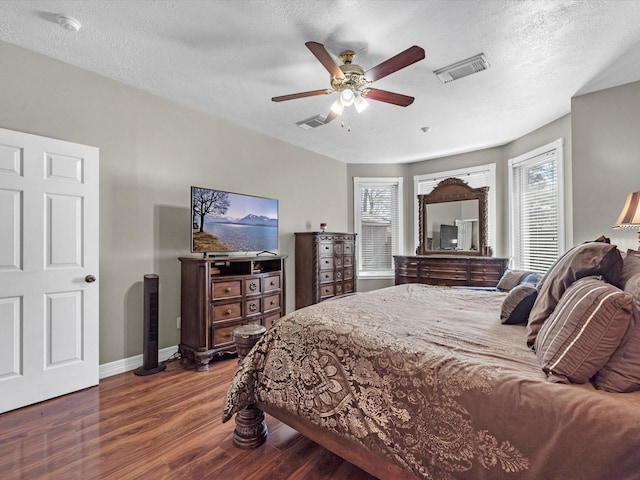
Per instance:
{"type": "Point", "coordinates": [271, 318]}
{"type": "Point", "coordinates": [347, 261]}
{"type": "Point", "coordinates": [271, 283]}
{"type": "Point", "coordinates": [227, 289]}
{"type": "Point", "coordinates": [252, 286]}
{"type": "Point", "coordinates": [348, 248]}
{"type": "Point", "coordinates": [271, 302]}
{"type": "Point", "coordinates": [452, 268]}
{"type": "Point", "coordinates": [326, 263]}
{"type": "Point", "coordinates": [327, 291]}
{"type": "Point", "coordinates": [347, 286]}
{"type": "Point", "coordinates": [222, 335]}
{"type": "Point", "coordinates": [326, 249]}
{"type": "Point", "coordinates": [227, 311]}
{"type": "Point", "coordinates": [252, 307]}
{"type": "Point", "coordinates": [347, 273]}
{"type": "Point", "coordinates": [326, 276]}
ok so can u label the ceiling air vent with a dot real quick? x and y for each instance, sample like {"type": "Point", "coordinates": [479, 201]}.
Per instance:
{"type": "Point", "coordinates": [312, 122]}
{"type": "Point", "coordinates": [464, 68]}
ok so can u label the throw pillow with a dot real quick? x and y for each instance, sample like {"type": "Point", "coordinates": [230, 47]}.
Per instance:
{"type": "Point", "coordinates": [510, 279]}
{"type": "Point", "coordinates": [591, 258]}
{"type": "Point", "coordinates": [517, 304]}
{"type": "Point", "coordinates": [630, 267]}
{"type": "Point", "coordinates": [622, 372]}
{"type": "Point", "coordinates": [583, 331]}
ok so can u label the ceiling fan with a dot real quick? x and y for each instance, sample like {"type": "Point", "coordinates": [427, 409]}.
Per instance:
{"type": "Point", "coordinates": [352, 81]}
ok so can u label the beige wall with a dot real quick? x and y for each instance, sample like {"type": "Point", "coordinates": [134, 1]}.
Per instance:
{"type": "Point", "coordinates": [151, 151]}
{"type": "Point", "coordinates": [606, 161]}
{"type": "Point", "coordinates": [560, 128]}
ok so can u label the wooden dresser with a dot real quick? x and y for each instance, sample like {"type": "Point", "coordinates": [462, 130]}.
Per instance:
{"type": "Point", "coordinates": [325, 266]}
{"type": "Point", "coordinates": [220, 293]}
{"type": "Point", "coordinates": [453, 270]}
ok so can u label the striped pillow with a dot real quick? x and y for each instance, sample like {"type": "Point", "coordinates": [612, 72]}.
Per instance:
{"type": "Point", "coordinates": [583, 331]}
{"type": "Point", "coordinates": [590, 258]}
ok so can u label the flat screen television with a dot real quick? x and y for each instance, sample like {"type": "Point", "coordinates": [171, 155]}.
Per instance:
{"type": "Point", "coordinates": [448, 237]}
{"type": "Point", "coordinates": [226, 222]}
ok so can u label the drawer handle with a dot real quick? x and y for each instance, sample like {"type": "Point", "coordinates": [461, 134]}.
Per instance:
{"type": "Point", "coordinates": [272, 302]}
{"type": "Point", "coordinates": [229, 312]}
{"type": "Point", "coordinates": [253, 286]}
{"type": "Point", "coordinates": [228, 289]}
{"type": "Point", "coordinates": [253, 307]}
{"type": "Point", "coordinates": [272, 283]}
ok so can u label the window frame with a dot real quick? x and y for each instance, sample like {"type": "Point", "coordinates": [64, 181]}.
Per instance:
{"type": "Point", "coordinates": [358, 184]}
{"type": "Point", "coordinates": [558, 147]}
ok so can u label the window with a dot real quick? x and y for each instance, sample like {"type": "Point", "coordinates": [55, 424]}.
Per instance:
{"type": "Point", "coordinates": [536, 206]}
{"type": "Point", "coordinates": [377, 220]}
{"type": "Point", "coordinates": [480, 176]}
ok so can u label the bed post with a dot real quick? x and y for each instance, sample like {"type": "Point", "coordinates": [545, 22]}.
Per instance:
{"type": "Point", "coordinates": [251, 429]}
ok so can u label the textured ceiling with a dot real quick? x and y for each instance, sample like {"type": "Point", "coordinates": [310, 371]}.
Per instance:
{"type": "Point", "coordinates": [228, 58]}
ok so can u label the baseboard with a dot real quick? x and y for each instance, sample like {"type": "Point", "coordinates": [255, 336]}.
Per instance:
{"type": "Point", "coordinates": [131, 363]}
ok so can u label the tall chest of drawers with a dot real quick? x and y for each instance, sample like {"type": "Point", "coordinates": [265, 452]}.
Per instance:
{"type": "Point", "coordinates": [221, 293]}
{"type": "Point", "coordinates": [325, 266]}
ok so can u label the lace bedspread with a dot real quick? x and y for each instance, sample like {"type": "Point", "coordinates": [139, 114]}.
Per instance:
{"type": "Point", "coordinates": [428, 377]}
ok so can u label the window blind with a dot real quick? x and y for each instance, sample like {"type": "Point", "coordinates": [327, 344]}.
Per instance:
{"type": "Point", "coordinates": [535, 216]}
{"type": "Point", "coordinates": [377, 220]}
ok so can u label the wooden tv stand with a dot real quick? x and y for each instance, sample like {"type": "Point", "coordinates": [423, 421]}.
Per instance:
{"type": "Point", "coordinates": [219, 294]}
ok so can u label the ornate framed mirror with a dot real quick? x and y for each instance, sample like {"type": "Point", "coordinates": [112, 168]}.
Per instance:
{"type": "Point", "coordinates": [452, 219]}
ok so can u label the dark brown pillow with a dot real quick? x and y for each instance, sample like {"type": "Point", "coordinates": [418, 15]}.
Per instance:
{"type": "Point", "coordinates": [591, 258]}
{"type": "Point", "coordinates": [517, 304]}
{"type": "Point", "coordinates": [630, 267]}
{"type": "Point", "coordinates": [622, 372]}
{"type": "Point", "coordinates": [510, 279]}
{"type": "Point", "coordinates": [584, 330]}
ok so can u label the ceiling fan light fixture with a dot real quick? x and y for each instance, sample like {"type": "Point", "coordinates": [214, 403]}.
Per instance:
{"type": "Point", "coordinates": [337, 107]}
{"type": "Point", "coordinates": [347, 97]}
{"type": "Point", "coordinates": [361, 104]}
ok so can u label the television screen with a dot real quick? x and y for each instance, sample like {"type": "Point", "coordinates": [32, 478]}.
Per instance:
{"type": "Point", "coordinates": [232, 222]}
{"type": "Point", "coordinates": [448, 237]}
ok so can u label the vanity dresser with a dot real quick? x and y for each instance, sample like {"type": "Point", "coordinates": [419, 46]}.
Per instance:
{"type": "Point", "coordinates": [452, 250]}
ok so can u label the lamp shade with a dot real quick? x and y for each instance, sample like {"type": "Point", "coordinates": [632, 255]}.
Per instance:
{"type": "Point", "coordinates": [630, 215]}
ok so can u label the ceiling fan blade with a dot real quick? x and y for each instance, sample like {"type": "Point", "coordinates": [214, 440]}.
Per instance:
{"type": "Point", "coordinates": [293, 96]}
{"type": "Point", "coordinates": [410, 56]}
{"type": "Point", "coordinates": [325, 59]}
{"type": "Point", "coordinates": [388, 97]}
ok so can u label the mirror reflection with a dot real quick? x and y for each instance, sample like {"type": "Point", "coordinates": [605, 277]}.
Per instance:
{"type": "Point", "coordinates": [453, 226]}
{"type": "Point", "coordinates": [452, 219]}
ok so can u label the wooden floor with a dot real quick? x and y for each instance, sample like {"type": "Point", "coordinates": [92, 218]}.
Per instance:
{"type": "Point", "coordinates": [162, 426]}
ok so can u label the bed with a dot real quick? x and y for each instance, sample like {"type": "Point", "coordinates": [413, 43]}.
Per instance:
{"type": "Point", "coordinates": [419, 381]}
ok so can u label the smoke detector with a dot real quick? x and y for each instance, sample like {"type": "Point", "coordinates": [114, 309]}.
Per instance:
{"type": "Point", "coordinates": [68, 23]}
{"type": "Point", "coordinates": [463, 68]}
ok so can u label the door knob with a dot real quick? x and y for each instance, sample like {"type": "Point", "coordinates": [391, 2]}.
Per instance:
{"type": "Point", "coordinates": [89, 279]}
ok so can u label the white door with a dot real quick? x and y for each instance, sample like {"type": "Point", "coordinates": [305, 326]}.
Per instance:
{"type": "Point", "coordinates": [48, 268]}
